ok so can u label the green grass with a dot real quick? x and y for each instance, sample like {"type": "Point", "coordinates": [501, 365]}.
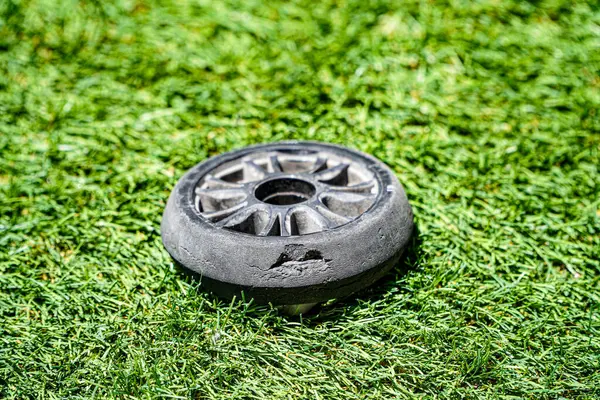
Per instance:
{"type": "Point", "coordinates": [488, 111]}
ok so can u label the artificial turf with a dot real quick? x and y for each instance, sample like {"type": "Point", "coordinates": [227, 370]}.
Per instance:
{"type": "Point", "coordinates": [488, 111]}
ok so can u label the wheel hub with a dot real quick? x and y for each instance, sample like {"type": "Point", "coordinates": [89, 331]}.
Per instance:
{"type": "Point", "coordinates": [286, 193]}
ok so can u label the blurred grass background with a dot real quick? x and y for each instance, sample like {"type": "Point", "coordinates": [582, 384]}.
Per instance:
{"type": "Point", "coordinates": [488, 111]}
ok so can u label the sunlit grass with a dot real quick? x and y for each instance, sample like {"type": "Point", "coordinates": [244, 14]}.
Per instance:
{"type": "Point", "coordinates": [487, 111]}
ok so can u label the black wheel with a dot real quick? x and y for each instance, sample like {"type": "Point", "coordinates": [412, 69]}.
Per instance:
{"type": "Point", "coordinates": [288, 223]}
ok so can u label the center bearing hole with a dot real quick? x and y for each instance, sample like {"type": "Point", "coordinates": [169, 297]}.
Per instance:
{"type": "Point", "coordinates": [284, 191]}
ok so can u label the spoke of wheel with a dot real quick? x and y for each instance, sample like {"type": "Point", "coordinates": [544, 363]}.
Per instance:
{"type": "Point", "coordinates": [273, 226]}
{"type": "Point", "coordinates": [283, 230]}
{"type": "Point", "coordinates": [318, 218]}
{"type": "Point", "coordinates": [216, 216]}
{"type": "Point", "coordinates": [220, 199]}
{"type": "Point", "coordinates": [212, 182]}
{"type": "Point", "coordinates": [220, 193]}
{"type": "Point", "coordinates": [347, 204]}
{"type": "Point", "coordinates": [275, 165]}
{"type": "Point", "coordinates": [363, 187]}
{"type": "Point", "coordinates": [335, 219]}
{"type": "Point", "coordinates": [253, 171]}
{"type": "Point", "coordinates": [304, 220]}
{"type": "Point", "coordinates": [320, 165]}
{"type": "Point", "coordinates": [337, 175]}
{"type": "Point", "coordinates": [347, 196]}
{"type": "Point", "coordinates": [240, 216]}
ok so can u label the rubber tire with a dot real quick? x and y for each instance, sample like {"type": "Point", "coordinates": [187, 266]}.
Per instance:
{"type": "Point", "coordinates": [319, 266]}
